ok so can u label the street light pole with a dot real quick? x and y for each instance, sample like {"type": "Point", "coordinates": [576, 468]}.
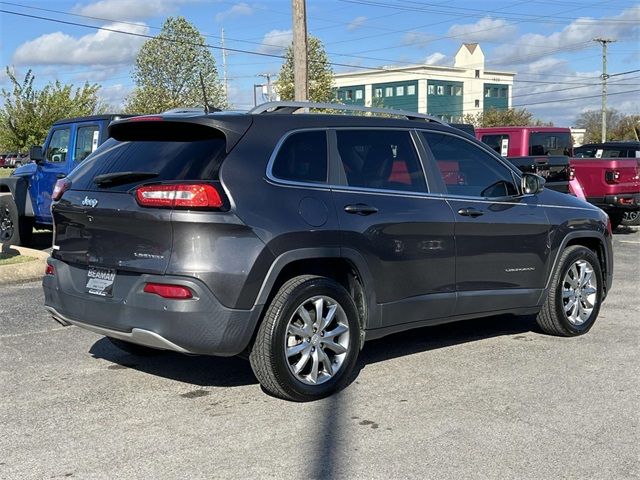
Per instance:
{"type": "Point", "coordinates": [604, 76]}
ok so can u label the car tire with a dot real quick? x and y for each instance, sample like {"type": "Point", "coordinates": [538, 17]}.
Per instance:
{"type": "Point", "coordinates": [15, 229]}
{"type": "Point", "coordinates": [631, 219]}
{"type": "Point", "coordinates": [575, 294]}
{"type": "Point", "coordinates": [292, 345]}
{"type": "Point", "coordinates": [134, 348]}
{"type": "Point", "coordinates": [616, 219]}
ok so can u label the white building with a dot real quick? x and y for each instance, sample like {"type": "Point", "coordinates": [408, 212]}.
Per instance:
{"type": "Point", "coordinates": [445, 92]}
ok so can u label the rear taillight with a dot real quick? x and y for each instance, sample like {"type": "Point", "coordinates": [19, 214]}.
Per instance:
{"type": "Point", "coordinates": [60, 187]}
{"type": "Point", "coordinates": [612, 176]}
{"type": "Point", "coordinates": [49, 270]}
{"type": "Point", "coordinates": [181, 195]}
{"type": "Point", "coordinates": [175, 292]}
{"type": "Point", "coordinates": [572, 174]}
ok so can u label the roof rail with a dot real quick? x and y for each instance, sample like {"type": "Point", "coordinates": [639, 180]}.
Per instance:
{"type": "Point", "coordinates": [290, 107]}
{"type": "Point", "coordinates": [184, 110]}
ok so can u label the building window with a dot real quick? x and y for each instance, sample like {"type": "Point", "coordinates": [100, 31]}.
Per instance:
{"type": "Point", "coordinates": [487, 92]}
{"type": "Point", "coordinates": [431, 90]}
{"type": "Point", "coordinates": [503, 92]}
{"type": "Point", "coordinates": [349, 94]}
{"type": "Point", "coordinates": [358, 94]}
{"type": "Point", "coordinates": [388, 92]}
{"type": "Point", "coordinates": [450, 90]}
{"type": "Point", "coordinates": [457, 91]}
{"type": "Point", "coordinates": [340, 95]}
{"type": "Point", "coordinates": [440, 90]}
{"type": "Point", "coordinates": [477, 103]}
{"type": "Point", "coordinates": [495, 93]}
{"type": "Point", "coordinates": [477, 73]}
{"type": "Point", "coordinates": [377, 93]}
{"type": "Point", "coordinates": [411, 90]}
{"type": "Point", "coordinates": [399, 91]}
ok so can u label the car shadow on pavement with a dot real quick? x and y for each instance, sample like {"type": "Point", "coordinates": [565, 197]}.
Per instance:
{"type": "Point", "coordinates": [445, 335]}
{"type": "Point", "coordinates": [194, 369]}
{"type": "Point", "coordinates": [235, 371]}
{"type": "Point", "coordinates": [625, 230]}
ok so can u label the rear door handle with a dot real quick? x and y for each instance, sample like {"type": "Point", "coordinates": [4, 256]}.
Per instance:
{"type": "Point", "coordinates": [60, 176]}
{"type": "Point", "coordinates": [470, 212]}
{"type": "Point", "coordinates": [360, 209]}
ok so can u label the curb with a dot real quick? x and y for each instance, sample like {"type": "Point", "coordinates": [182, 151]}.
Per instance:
{"type": "Point", "coordinates": [23, 272]}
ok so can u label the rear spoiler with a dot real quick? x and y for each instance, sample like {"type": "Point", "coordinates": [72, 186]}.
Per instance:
{"type": "Point", "coordinates": [173, 128]}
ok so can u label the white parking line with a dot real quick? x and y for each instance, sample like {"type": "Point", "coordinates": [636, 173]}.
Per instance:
{"type": "Point", "coordinates": [628, 241]}
{"type": "Point", "coordinates": [32, 333]}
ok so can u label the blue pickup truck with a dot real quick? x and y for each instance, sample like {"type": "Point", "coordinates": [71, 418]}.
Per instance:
{"type": "Point", "coordinates": [25, 196]}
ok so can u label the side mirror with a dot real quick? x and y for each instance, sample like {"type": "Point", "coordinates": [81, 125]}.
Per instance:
{"type": "Point", "coordinates": [35, 153]}
{"type": "Point", "coordinates": [531, 183]}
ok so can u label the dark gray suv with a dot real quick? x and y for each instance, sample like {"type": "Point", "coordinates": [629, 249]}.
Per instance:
{"type": "Point", "coordinates": [293, 238]}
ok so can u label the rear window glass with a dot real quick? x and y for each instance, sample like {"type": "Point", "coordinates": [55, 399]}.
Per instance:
{"type": "Point", "coordinates": [171, 160]}
{"type": "Point", "coordinates": [555, 143]}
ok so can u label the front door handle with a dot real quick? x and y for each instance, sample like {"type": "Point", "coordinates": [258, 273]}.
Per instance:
{"type": "Point", "coordinates": [470, 212]}
{"type": "Point", "coordinates": [60, 176]}
{"type": "Point", "coordinates": [360, 209]}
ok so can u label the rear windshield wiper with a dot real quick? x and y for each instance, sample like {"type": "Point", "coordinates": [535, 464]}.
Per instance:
{"type": "Point", "coordinates": [120, 178]}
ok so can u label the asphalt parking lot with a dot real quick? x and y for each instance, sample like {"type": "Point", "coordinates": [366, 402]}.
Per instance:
{"type": "Point", "coordinates": [491, 398]}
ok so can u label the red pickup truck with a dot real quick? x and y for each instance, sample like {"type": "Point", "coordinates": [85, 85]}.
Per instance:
{"type": "Point", "coordinates": [612, 184]}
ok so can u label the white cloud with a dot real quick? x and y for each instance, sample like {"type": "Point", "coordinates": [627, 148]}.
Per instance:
{"type": "Point", "coordinates": [128, 9]}
{"type": "Point", "coordinates": [547, 65]}
{"type": "Point", "coordinates": [115, 95]}
{"type": "Point", "coordinates": [276, 41]}
{"type": "Point", "coordinates": [417, 39]}
{"type": "Point", "coordinates": [100, 48]}
{"type": "Point", "coordinates": [238, 10]}
{"type": "Point", "coordinates": [356, 23]}
{"type": "Point", "coordinates": [577, 35]}
{"type": "Point", "coordinates": [436, 59]}
{"type": "Point", "coordinates": [486, 29]}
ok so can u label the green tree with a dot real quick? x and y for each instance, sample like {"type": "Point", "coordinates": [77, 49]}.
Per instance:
{"type": "Point", "coordinates": [319, 72]}
{"type": "Point", "coordinates": [619, 126]}
{"type": "Point", "coordinates": [502, 118]}
{"type": "Point", "coordinates": [169, 68]}
{"type": "Point", "coordinates": [28, 113]}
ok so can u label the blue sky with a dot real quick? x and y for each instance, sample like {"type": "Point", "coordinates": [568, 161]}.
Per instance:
{"type": "Point", "coordinates": [548, 43]}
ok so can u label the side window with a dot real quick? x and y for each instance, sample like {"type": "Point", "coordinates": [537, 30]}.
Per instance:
{"type": "Point", "coordinates": [86, 142]}
{"type": "Point", "coordinates": [58, 145]}
{"type": "Point", "coordinates": [381, 159]}
{"type": "Point", "coordinates": [467, 170]}
{"type": "Point", "coordinates": [496, 142]}
{"type": "Point", "coordinates": [302, 158]}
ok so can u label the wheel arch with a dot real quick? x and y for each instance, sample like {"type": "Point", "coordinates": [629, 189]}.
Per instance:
{"type": "Point", "coordinates": [18, 188]}
{"type": "Point", "coordinates": [345, 266]}
{"type": "Point", "coordinates": [594, 241]}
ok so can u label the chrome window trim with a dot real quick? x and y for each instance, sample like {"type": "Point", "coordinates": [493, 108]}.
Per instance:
{"type": "Point", "coordinates": [271, 178]}
{"type": "Point", "coordinates": [277, 148]}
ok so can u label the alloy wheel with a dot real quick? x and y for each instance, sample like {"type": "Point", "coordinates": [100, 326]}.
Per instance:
{"type": "Point", "coordinates": [579, 292]}
{"type": "Point", "coordinates": [317, 340]}
{"type": "Point", "coordinates": [6, 225]}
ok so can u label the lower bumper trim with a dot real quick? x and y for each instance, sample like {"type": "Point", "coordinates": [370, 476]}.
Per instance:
{"type": "Point", "coordinates": [137, 335]}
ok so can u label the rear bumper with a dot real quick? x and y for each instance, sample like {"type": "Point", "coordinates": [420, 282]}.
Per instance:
{"type": "Point", "coordinates": [201, 325]}
{"type": "Point", "coordinates": [621, 201]}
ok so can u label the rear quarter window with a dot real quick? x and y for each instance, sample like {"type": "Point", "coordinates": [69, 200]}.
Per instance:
{"type": "Point", "coordinates": [302, 157]}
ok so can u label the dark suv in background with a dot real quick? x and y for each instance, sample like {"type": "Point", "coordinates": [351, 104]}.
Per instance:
{"type": "Point", "coordinates": [295, 238]}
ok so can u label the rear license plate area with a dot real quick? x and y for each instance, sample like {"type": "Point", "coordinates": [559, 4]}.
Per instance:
{"type": "Point", "coordinates": [100, 281]}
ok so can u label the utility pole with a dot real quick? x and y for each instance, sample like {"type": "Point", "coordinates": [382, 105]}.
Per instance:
{"type": "Point", "coordinates": [269, 86]}
{"type": "Point", "coordinates": [604, 76]}
{"type": "Point", "coordinates": [225, 82]}
{"type": "Point", "coordinates": [301, 83]}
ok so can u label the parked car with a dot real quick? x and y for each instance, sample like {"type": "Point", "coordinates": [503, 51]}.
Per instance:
{"type": "Point", "coordinates": [25, 196]}
{"type": "Point", "coordinates": [3, 158]}
{"type": "Point", "coordinates": [293, 238]}
{"type": "Point", "coordinates": [544, 151]}
{"type": "Point", "coordinates": [611, 184]}
{"type": "Point", "coordinates": [10, 160]}
{"type": "Point", "coordinates": [608, 150]}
